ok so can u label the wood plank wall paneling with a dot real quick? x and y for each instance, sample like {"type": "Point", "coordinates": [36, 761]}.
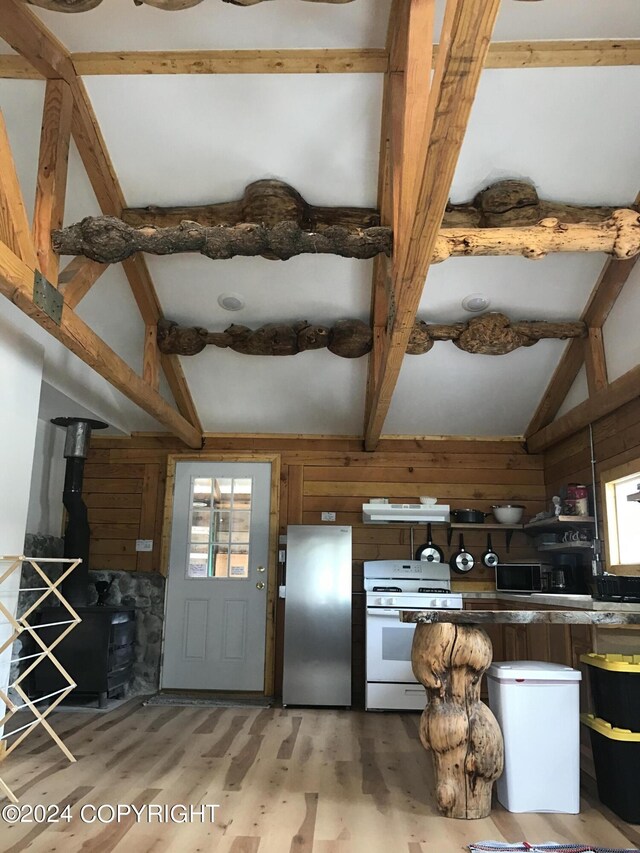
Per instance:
{"type": "Point", "coordinates": [616, 441]}
{"type": "Point", "coordinates": [125, 485]}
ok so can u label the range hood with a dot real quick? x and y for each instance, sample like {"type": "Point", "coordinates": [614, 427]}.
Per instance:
{"type": "Point", "coordinates": [398, 513]}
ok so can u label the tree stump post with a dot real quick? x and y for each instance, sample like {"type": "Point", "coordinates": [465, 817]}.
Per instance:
{"type": "Point", "coordinates": [459, 729]}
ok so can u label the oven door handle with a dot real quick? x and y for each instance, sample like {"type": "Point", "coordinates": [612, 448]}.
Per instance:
{"type": "Point", "coordinates": [384, 611]}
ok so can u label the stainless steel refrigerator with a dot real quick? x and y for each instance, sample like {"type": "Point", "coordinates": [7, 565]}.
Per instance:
{"type": "Point", "coordinates": [317, 629]}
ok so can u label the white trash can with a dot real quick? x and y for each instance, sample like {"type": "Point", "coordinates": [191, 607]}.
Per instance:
{"type": "Point", "coordinates": [537, 706]}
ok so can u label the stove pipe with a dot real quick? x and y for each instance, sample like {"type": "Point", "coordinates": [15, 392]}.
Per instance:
{"type": "Point", "coordinates": [77, 533]}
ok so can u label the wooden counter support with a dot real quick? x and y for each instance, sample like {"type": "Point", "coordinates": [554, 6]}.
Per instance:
{"type": "Point", "coordinates": [465, 738]}
{"type": "Point", "coordinates": [450, 653]}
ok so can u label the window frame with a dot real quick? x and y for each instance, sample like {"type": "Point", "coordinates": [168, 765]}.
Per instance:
{"type": "Point", "coordinates": [608, 479]}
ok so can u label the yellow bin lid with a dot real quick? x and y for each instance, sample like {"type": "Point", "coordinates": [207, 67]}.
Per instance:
{"type": "Point", "coordinates": [613, 662]}
{"type": "Point", "coordinates": [606, 729]}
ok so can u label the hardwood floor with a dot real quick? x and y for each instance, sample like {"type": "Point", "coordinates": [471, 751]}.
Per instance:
{"type": "Point", "coordinates": [286, 781]}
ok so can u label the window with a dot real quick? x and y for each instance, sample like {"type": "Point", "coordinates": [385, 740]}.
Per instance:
{"type": "Point", "coordinates": [622, 517]}
{"type": "Point", "coordinates": [220, 527]}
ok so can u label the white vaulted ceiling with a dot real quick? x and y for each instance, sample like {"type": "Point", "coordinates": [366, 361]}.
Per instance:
{"type": "Point", "coordinates": [195, 139]}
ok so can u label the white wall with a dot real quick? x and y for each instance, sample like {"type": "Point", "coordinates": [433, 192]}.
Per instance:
{"type": "Point", "coordinates": [47, 481]}
{"type": "Point", "coordinates": [21, 361]}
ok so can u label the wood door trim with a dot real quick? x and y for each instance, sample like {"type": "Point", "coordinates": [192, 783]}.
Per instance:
{"type": "Point", "coordinates": [274, 509]}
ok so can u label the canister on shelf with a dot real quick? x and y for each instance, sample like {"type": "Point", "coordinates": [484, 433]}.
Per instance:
{"type": "Point", "coordinates": [581, 500]}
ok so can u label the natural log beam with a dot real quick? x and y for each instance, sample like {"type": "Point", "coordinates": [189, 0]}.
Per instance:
{"type": "Point", "coordinates": [16, 283]}
{"type": "Point", "coordinates": [266, 202]}
{"type": "Point", "coordinates": [51, 186]}
{"type": "Point", "coordinates": [602, 403]}
{"type": "Point", "coordinates": [492, 334]}
{"type": "Point", "coordinates": [618, 236]}
{"type": "Point", "coordinates": [77, 279]}
{"type": "Point", "coordinates": [516, 203]}
{"type": "Point", "coordinates": [508, 203]}
{"type": "Point", "coordinates": [109, 240]}
{"type": "Point", "coordinates": [603, 297]}
{"type": "Point", "coordinates": [168, 5]}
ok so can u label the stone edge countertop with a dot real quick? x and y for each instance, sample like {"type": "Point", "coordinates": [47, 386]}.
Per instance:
{"type": "Point", "coordinates": [579, 602]}
{"type": "Point", "coordinates": [521, 617]}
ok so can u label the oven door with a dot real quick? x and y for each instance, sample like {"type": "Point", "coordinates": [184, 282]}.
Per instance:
{"type": "Point", "coordinates": [389, 646]}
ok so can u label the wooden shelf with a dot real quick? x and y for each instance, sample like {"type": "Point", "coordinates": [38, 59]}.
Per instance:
{"type": "Point", "coordinates": [566, 546]}
{"type": "Point", "coordinates": [508, 529]}
{"type": "Point", "coordinates": [552, 525]}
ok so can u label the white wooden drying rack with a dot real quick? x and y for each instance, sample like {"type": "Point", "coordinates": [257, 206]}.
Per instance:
{"type": "Point", "coordinates": [20, 625]}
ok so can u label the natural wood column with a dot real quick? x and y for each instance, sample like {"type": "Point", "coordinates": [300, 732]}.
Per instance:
{"type": "Point", "coordinates": [461, 731]}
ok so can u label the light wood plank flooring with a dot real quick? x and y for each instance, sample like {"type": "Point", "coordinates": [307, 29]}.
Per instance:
{"type": "Point", "coordinates": [287, 781]}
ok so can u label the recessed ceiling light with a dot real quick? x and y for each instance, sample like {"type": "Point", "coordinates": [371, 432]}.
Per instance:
{"type": "Point", "coordinates": [475, 302]}
{"type": "Point", "coordinates": [231, 301]}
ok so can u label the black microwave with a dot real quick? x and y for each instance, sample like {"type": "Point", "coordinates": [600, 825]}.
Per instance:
{"type": "Point", "coordinates": [519, 577]}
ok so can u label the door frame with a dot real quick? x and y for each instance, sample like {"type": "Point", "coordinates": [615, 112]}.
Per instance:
{"type": "Point", "coordinates": [272, 566]}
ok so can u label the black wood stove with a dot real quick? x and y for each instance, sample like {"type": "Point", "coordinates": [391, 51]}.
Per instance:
{"type": "Point", "coordinates": [99, 653]}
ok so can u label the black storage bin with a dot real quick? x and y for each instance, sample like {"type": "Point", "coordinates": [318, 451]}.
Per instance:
{"type": "Point", "coordinates": [615, 688]}
{"type": "Point", "coordinates": [616, 755]}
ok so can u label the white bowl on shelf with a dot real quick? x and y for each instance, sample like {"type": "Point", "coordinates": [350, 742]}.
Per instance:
{"type": "Point", "coordinates": [427, 501]}
{"type": "Point", "coordinates": [508, 513]}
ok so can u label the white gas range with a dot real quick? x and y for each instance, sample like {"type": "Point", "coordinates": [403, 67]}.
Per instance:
{"type": "Point", "coordinates": [392, 586]}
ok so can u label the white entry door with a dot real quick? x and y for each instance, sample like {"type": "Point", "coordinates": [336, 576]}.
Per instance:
{"type": "Point", "coordinates": [216, 612]}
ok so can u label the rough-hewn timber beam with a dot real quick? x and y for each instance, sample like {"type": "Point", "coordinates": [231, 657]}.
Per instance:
{"type": "Point", "coordinates": [26, 34]}
{"type": "Point", "coordinates": [491, 334]}
{"type": "Point", "coordinates": [51, 185]}
{"type": "Point", "coordinates": [584, 53]}
{"type": "Point", "coordinates": [77, 279]}
{"type": "Point", "coordinates": [14, 225]}
{"type": "Point", "coordinates": [16, 283]}
{"type": "Point", "coordinates": [465, 37]}
{"type": "Point", "coordinates": [616, 394]}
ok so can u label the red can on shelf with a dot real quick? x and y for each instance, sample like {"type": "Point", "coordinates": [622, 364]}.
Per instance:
{"type": "Point", "coordinates": [577, 502]}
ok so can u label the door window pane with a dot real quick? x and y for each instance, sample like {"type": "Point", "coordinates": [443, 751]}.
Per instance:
{"type": "Point", "coordinates": [239, 561]}
{"type": "Point", "coordinates": [220, 527]}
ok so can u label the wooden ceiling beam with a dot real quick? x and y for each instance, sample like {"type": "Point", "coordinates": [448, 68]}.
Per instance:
{"type": "Point", "coordinates": [77, 279]}
{"type": "Point", "coordinates": [15, 230]}
{"type": "Point", "coordinates": [51, 185]}
{"type": "Point", "coordinates": [585, 53]}
{"type": "Point", "coordinates": [622, 390]}
{"type": "Point", "coordinates": [16, 283]}
{"type": "Point", "coordinates": [465, 37]}
{"type": "Point", "coordinates": [603, 297]}
{"type": "Point", "coordinates": [27, 35]}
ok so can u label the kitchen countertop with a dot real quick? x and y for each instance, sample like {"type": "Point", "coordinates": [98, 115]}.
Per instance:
{"type": "Point", "coordinates": [521, 617]}
{"type": "Point", "coordinates": [578, 602]}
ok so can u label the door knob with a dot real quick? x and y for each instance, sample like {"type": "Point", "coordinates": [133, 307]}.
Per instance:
{"type": "Point", "coordinates": [261, 569]}
{"type": "Point", "coordinates": [260, 585]}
